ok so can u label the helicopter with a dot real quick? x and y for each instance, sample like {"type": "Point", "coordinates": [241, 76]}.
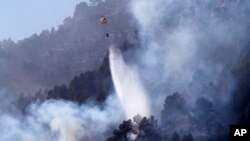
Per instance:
{"type": "Point", "coordinates": [104, 20]}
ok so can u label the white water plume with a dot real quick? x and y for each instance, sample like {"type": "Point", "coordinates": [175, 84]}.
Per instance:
{"type": "Point", "coordinates": [128, 87]}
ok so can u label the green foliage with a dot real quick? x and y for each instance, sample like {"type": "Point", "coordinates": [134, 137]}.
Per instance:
{"type": "Point", "coordinates": [145, 129]}
{"type": "Point", "coordinates": [121, 133]}
{"type": "Point", "coordinates": [174, 109]}
{"type": "Point", "coordinates": [93, 85]}
{"type": "Point", "coordinates": [174, 102]}
{"type": "Point", "coordinates": [149, 130]}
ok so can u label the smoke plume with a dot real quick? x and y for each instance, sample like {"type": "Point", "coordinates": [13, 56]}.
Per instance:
{"type": "Point", "coordinates": [58, 120]}
{"type": "Point", "coordinates": [128, 87]}
{"type": "Point", "coordinates": [190, 47]}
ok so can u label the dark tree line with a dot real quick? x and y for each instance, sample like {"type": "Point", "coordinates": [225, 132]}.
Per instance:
{"type": "Point", "coordinates": [145, 129]}
{"type": "Point", "coordinates": [179, 122]}
{"type": "Point", "coordinates": [91, 85]}
{"type": "Point", "coordinates": [139, 129]}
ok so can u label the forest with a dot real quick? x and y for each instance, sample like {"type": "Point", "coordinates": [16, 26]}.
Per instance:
{"type": "Point", "coordinates": [192, 59]}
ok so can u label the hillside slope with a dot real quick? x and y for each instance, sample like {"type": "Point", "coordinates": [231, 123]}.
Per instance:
{"type": "Point", "coordinates": [54, 56]}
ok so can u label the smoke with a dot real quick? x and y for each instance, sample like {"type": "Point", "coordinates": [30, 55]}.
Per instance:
{"type": "Point", "coordinates": [187, 46]}
{"type": "Point", "coordinates": [128, 87]}
{"type": "Point", "coordinates": [61, 121]}
{"type": "Point", "coordinates": [190, 47]}
{"type": "Point", "coordinates": [93, 2]}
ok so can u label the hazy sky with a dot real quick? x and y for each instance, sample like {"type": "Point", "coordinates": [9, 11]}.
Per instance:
{"type": "Point", "coordinates": [21, 18]}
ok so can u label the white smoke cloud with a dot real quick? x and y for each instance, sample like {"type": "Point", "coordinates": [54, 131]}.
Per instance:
{"type": "Point", "coordinates": [188, 46]}
{"type": "Point", "coordinates": [128, 87]}
{"type": "Point", "coordinates": [57, 120]}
